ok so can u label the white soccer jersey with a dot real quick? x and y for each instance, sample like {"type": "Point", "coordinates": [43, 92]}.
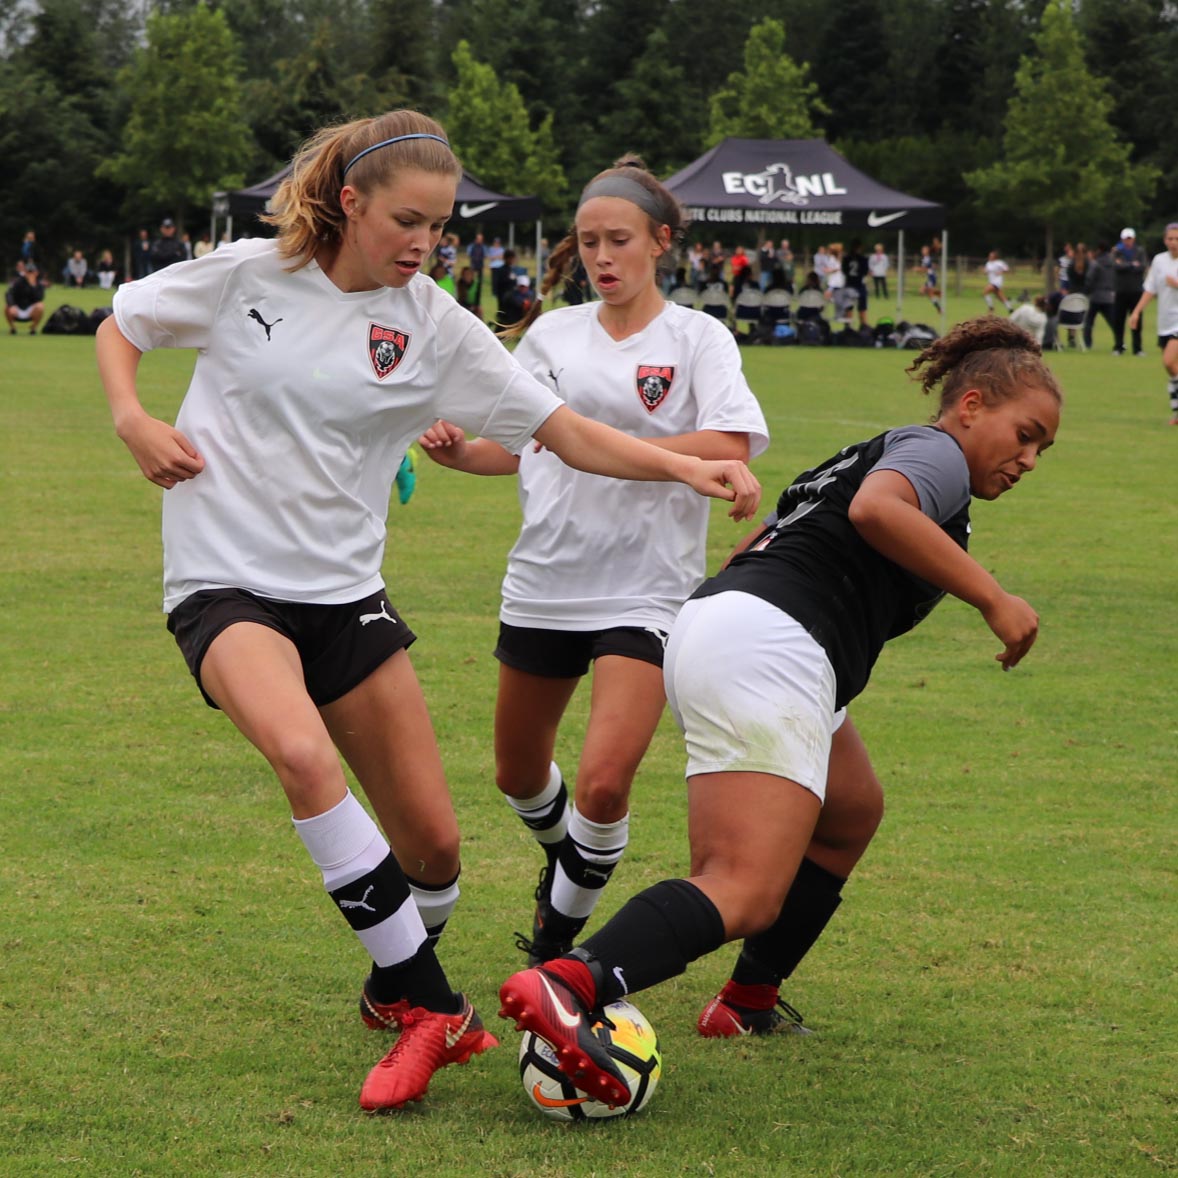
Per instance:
{"type": "Point", "coordinates": [1162, 267]}
{"type": "Point", "coordinates": [303, 401]}
{"type": "Point", "coordinates": [995, 272]}
{"type": "Point", "coordinates": [596, 552]}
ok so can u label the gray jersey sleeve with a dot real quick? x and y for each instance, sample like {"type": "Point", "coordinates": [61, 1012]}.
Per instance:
{"type": "Point", "coordinates": [933, 463]}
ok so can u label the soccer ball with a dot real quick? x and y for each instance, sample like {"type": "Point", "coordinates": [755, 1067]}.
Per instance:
{"type": "Point", "coordinates": [630, 1041]}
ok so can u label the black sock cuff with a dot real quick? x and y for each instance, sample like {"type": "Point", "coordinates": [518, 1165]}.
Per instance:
{"type": "Point", "coordinates": [810, 874]}
{"type": "Point", "coordinates": [705, 932]}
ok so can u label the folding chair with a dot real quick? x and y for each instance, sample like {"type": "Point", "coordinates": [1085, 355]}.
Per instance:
{"type": "Point", "coordinates": [811, 304]}
{"type": "Point", "coordinates": [1073, 310]}
{"type": "Point", "coordinates": [775, 306]}
{"type": "Point", "coordinates": [748, 307]}
{"type": "Point", "coordinates": [714, 301]}
{"type": "Point", "coordinates": [684, 296]}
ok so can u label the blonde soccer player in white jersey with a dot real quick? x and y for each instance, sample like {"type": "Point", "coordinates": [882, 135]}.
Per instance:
{"type": "Point", "coordinates": [321, 356]}
{"type": "Point", "coordinates": [1161, 283]}
{"type": "Point", "coordinates": [601, 568]}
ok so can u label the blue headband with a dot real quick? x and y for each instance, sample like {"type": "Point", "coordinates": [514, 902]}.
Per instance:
{"type": "Point", "coordinates": [386, 142]}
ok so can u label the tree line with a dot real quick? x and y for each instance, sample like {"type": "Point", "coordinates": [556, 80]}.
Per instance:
{"type": "Point", "coordinates": [1031, 120]}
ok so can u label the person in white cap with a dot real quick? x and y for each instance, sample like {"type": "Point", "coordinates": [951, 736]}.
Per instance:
{"type": "Point", "coordinates": [1129, 270]}
{"type": "Point", "coordinates": [1161, 283]}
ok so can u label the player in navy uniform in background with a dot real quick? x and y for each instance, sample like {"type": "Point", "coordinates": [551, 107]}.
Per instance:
{"type": "Point", "coordinates": [321, 356]}
{"type": "Point", "coordinates": [864, 546]}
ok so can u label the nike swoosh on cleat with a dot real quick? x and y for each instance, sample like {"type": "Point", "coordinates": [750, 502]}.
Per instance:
{"type": "Point", "coordinates": [548, 1102]}
{"type": "Point", "coordinates": [570, 1020]}
{"type": "Point", "coordinates": [453, 1034]}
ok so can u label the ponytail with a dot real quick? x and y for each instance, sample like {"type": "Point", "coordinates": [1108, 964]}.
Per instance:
{"type": "Point", "coordinates": [306, 208]}
{"type": "Point", "coordinates": [655, 200]}
{"type": "Point", "coordinates": [993, 355]}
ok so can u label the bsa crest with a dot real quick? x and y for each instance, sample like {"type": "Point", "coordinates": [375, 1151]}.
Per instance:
{"type": "Point", "coordinates": [386, 348]}
{"type": "Point", "coordinates": [654, 383]}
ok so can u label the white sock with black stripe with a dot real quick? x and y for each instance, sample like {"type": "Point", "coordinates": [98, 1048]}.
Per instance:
{"type": "Point", "coordinates": [588, 856]}
{"type": "Point", "coordinates": [363, 878]}
{"type": "Point", "coordinates": [547, 814]}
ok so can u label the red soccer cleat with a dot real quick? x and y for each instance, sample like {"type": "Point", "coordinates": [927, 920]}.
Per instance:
{"type": "Point", "coordinates": [544, 1004]}
{"type": "Point", "coordinates": [726, 1015]}
{"type": "Point", "coordinates": [428, 1041]}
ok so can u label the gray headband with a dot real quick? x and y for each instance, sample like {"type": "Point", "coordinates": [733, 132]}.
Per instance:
{"type": "Point", "coordinates": [386, 142]}
{"type": "Point", "coordinates": [627, 189]}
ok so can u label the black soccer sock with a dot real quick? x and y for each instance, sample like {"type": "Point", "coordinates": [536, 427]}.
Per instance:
{"type": "Point", "coordinates": [421, 980]}
{"type": "Point", "coordinates": [770, 956]}
{"type": "Point", "coordinates": [654, 936]}
{"type": "Point", "coordinates": [1172, 388]}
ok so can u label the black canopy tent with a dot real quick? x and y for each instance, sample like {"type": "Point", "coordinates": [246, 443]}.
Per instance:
{"type": "Point", "coordinates": [474, 202]}
{"type": "Point", "coordinates": [782, 183]}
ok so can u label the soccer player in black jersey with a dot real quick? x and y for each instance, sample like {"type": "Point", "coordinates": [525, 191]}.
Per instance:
{"type": "Point", "coordinates": [863, 547]}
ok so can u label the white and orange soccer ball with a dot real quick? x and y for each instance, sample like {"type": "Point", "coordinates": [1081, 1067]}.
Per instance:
{"type": "Point", "coordinates": [630, 1041]}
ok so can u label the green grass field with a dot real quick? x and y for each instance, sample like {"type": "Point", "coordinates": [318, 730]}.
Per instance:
{"type": "Point", "coordinates": [995, 997]}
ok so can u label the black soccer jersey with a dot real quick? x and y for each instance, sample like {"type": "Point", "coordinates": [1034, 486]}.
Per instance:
{"type": "Point", "coordinates": [815, 566]}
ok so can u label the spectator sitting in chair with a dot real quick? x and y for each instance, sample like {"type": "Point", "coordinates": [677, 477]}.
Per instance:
{"type": "Point", "coordinates": [24, 301]}
{"type": "Point", "coordinates": [76, 270]}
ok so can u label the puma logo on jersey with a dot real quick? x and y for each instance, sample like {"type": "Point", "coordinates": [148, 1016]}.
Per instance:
{"type": "Point", "coordinates": [366, 618]}
{"type": "Point", "coordinates": [256, 316]}
{"type": "Point", "coordinates": [555, 378]}
{"type": "Point", "coordinates": [362, 902]}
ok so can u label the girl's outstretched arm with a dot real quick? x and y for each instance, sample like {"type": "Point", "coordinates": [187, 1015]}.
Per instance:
{"type": "Point", "coordinates": [886, 513]}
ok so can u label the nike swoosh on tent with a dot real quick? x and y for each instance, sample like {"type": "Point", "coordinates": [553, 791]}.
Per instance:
{"type": "Point", "coordinates": [465, 210]}
{"type": "Point", "coordinates": [875, 220]}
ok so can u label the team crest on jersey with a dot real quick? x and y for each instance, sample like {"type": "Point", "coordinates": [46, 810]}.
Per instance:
{"type": "Point", "coordinates": [386, 348]}
{"type": "Point", "coordinates": [654, 383]}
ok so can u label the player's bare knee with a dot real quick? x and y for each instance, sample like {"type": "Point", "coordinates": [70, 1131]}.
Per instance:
{"type": "Point", "coordinates": [603, 795]}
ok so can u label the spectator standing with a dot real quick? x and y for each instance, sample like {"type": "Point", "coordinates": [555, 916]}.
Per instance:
{"type": "Point", "coordinates": [1063, 273]}
{"type": "Point", "coordinates": [878, 265]}
{"type": "Point", "coordinates": [785, 263]}
{"type": "Point", "coordinates": [855, 274]}
{"type": "Point", "coordinates": [141, 256]}
{"type": "Point", "coordinates": [167, 249]}
{"type": "Point", "coordinates": [698, 260]}
{"type": "Point", "coordinates": [478, 257]}
{"type": "Point", "coordinates": [448, 253]}
{"type": "Point", "coordinates": [29, 254]}
{"type": "Point", "coordinates": [741, 269]}
{"type": "Point", "coordinates": [1100, 287]}
{"type": "Point", "coordinates": [186, 242]}
{"type": "Point", "coordinates": [204, 246]}
{"type": "Point", "coordinates": [495, 255]}
{"type": "Point", "coordinates": [24, 301]}
{"type": "Point", "coordinates": [1129, 272]}
{"type": "Point", "coordinates": [1161, 283]}
{"type": "Point", "coordinates": [766, 260]}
